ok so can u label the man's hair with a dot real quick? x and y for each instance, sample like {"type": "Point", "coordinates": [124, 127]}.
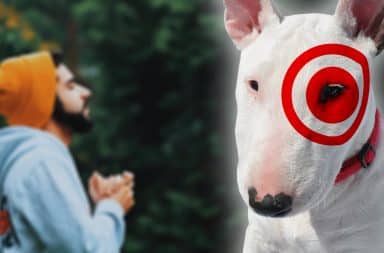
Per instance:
{"type": "Point", "coordinates": [57, 57]}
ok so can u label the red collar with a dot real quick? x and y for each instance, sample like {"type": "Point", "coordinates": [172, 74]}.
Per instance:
{"type": "Point", "coordinates": [364, 157]}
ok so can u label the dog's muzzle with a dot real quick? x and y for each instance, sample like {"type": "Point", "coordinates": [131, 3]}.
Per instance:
{"type": "Point", "coordinates": [270, 206]}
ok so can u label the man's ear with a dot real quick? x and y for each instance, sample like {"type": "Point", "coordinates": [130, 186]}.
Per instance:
{"type": "Point", "coordinates": [363, 17]}
{"type": "Point", "coordinates": [246, 19]}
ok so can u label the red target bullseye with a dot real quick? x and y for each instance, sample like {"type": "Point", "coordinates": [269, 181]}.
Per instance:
{"type": "Point", "coordinates": [335, 110]}
{"type": "Point", "coordinates": [333, 75]}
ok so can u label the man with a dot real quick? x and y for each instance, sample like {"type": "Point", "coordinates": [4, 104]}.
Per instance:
{"type": "Point", "coordinates": [44, 207]}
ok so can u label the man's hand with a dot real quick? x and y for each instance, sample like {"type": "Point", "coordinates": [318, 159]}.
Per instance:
{"type": "Point", "coordinates": [125, 197]}
{"type": "Point", "coordinates": [118, 187]}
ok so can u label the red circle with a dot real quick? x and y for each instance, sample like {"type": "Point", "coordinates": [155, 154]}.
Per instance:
{"type": "Point", "coordinates": [339, 108]}
{"type": "Point", "coordinates": [289, 79]}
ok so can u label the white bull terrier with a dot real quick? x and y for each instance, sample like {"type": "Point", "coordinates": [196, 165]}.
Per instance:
{"type": "Point", "coordinates": [308, 128]}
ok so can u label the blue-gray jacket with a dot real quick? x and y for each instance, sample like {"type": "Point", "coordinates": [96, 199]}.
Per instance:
{"type": "Point", "coordinates": [41, 189]}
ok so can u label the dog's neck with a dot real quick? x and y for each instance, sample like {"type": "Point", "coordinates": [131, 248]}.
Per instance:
{"type": "Point", "coordinates": [364, 157]}
{"type": "Point", "coordinates": [353, 206]}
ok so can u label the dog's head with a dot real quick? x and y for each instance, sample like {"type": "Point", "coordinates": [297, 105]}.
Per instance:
{"type": "Point", "coordinates": [303, 98]}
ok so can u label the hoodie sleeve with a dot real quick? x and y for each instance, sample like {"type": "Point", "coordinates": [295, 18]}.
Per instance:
{"type": "Point", "coordinates": [50, 199]}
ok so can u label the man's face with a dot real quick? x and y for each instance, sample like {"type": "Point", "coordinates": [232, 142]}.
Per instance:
{"type": "Point", "coordinates": [71, 107]}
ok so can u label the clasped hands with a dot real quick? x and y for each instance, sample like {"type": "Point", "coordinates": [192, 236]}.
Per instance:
{"type": "Point", "coordinates": [117, 187]}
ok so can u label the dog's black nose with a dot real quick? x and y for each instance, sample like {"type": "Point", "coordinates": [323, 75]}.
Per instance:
{"type": "Point", "coordinates": [270, 206]}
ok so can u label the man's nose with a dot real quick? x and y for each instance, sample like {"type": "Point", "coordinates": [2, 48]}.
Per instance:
{"type": "Point", "coordinates": [271, 206]}
{"type": "Point", "coordinates": [85, 92]}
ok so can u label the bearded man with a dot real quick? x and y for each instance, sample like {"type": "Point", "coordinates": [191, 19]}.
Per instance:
{"type": "Point", "coordinates": [44, 207]}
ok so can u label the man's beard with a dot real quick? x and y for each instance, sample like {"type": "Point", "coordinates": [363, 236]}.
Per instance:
{"type": "Point", "coordinates": [76, 122]}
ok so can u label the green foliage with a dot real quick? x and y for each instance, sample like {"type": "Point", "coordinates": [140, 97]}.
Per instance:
{"type": "Point", "coordinates": [154, 57]}
{"type": "Point", "coordinates": [12, 41]}
{"type": "Point", "coordinates": [151, 66]}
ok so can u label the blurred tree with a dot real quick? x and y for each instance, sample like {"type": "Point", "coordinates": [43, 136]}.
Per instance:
{"type": "Point", "coordinates": [17, 37]}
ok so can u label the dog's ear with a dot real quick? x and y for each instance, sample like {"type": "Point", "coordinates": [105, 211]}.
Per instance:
{"type": "Point", "coordinates": [363, 17]}
{"type": "Point", "coordinates": [246, 19]}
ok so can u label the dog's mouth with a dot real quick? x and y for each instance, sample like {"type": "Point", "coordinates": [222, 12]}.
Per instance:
{"type": "Point", "coordinates": [271, 206]}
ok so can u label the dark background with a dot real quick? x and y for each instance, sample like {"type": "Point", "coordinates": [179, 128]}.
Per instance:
{"type": "Point", "coordinates": [163, 75]}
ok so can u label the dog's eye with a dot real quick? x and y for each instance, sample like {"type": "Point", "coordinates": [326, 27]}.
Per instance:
{"type": "Point", "coordinates": [254, 85]}
{"type": "Point", "coordinates": [331, 91]}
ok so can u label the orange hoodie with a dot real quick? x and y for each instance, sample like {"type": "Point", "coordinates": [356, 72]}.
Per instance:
{"type": "Point", "coordinates": [27, 89]}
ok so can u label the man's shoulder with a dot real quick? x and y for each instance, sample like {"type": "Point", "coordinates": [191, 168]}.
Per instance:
{"type": "Point", "coordinates": [30, 154]}
{"type": "Point", "coordinates": [25, 147]}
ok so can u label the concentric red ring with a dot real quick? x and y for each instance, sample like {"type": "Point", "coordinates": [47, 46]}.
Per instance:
{"type": "Point", "coordinates": [293, 71]}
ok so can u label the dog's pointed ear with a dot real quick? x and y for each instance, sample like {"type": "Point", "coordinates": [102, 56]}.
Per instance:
{"type": "Point", "coordinates": [363, 17]}
{"type": "Point", "coordinates": [245, 19]}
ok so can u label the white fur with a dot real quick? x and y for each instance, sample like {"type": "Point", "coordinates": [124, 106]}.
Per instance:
{"type": "Point", "coordinates": [325, 218]}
